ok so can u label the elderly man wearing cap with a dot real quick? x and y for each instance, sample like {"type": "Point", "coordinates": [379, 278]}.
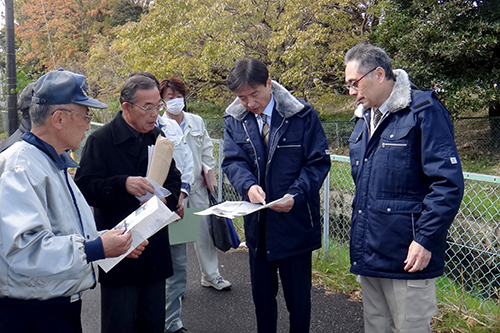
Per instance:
{"type": "Point", "coordinates": [48, 238]}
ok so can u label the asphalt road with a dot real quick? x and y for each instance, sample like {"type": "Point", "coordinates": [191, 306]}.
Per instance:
{"type": "Point", "coordinates": [206, 310]}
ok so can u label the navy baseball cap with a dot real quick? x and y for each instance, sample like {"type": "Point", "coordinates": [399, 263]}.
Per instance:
{"type": "Point", "coordinates": [63, 87]}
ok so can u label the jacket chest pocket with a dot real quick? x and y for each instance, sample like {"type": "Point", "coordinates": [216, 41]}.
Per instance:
{"type": "Point", "coordinates": [355, 147]}
{"type": "Point", "coordinates": [395, 147]}
{"type": "Point", "coordinates": [242, 140]}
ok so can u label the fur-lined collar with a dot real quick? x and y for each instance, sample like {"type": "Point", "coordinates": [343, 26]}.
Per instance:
{"type": "Point", "coordinates": [286, 104]}
{"type": "Point", "coordinates": [400, 97]}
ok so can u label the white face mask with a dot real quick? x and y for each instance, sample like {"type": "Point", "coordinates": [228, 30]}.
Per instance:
{"type": "Point", "coordinates": [175, 105]}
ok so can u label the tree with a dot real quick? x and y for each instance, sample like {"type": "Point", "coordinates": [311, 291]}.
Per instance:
{"type": "Point", "coordinates": [301, 41]}
{"type": "Point", "coordinates": [59, 34]}
{"type": "Point", "coordinates": [452, 46]}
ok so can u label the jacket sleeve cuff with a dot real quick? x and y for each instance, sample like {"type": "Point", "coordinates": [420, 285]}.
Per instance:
{"type": "Point", "coordinates": [425, 242]}
{"type": "Point", "coordinates": [186, 188]}
{"type": "Point", "coordinates": [94, 250]}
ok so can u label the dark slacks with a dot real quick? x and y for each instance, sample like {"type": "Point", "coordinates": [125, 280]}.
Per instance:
{"type": "Point", "coordinates": [295, 275]}
{"type": "Point", "coordinates": [30, 316]}
{"type": "Point", "coordinates": [135, 308]}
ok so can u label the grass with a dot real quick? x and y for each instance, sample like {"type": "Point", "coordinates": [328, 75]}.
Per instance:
{"type": "Point", "coordinates": [331, 270]}
{"type": "Point", "coordinates": [486, 165]}
{"type": "Point", "coordinates": [459, 311]}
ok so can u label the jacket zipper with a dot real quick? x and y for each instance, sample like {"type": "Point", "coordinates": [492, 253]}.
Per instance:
{"type": "Point", "coordinates": [254, 152]}
{"type": "Point", "coordinates": [310, 215]}
{"type": "Point", "coordinates": [413, 225]}
{"type": "Point", "coordinates": [386, 144]}
{"type": "Point", "coordinates": [272, 140]}
{"type": "Point", "coordinates": [288, 146]}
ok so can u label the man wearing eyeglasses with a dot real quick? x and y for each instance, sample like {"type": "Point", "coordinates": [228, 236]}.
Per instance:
{"type": "Point", "coordinates": [113, 169]}
{"type": "Point", "coordinates": [48, 239]}
{"type": "Point", "coordinates": [409, 186]}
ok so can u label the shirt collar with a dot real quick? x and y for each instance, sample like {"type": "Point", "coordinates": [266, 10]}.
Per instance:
{"type": "Point", "coordinates": [137, 135]}
{"type": "Point", "coordinates": [62, 161]}
{"type": "Point", "coordinates": [268, 111]}
{"type": "Point", "coordinates": [383, 107]}
{"type": "Point", "coordinates": [183, 121]}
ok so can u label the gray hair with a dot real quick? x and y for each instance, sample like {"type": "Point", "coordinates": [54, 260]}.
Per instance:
{"type": "Point", "coordinates": [369, 57]}
{"type": "Point", "coordinates": [39, 114]}
{"type": "Point", "coordinates": [134, 83]}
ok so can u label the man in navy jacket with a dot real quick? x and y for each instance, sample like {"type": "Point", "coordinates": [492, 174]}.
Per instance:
{"type": "Point", "coordinates": [409, 186]}
{"type": "Point", "coordinates": [275, 146]}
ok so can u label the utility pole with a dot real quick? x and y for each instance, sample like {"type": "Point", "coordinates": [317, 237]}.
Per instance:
{"type": "Point", "coordinates": [11, 66]}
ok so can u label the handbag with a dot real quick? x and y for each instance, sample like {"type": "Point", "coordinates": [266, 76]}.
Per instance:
{"type": "Point", "coordinates": [221, 229]}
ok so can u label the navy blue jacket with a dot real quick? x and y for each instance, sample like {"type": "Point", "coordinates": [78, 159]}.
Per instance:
{"type": "Point", "coordinates": [297, 162]}
{"type": "Point", "coordinates": [409, 184]}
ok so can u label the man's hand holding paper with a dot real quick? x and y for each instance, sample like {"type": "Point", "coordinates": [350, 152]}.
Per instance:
{"type": "Point", "coordinates": [138, 186]}
{"type": "Point", "coordinates": [232, 209]}
{"type": "Point", "coordinates": [283, 207]}
{"type": "Point", "coordinates": [256, 194]}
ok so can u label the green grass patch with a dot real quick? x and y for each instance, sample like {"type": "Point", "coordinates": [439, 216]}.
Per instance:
{"type": "Point", "coordinates": [461, 311]}
{"type": "Point", "coordinates": [205, 109]}
{"type": "Point", "coordinates": [486, 165]}
{"type": "Point", "coordinates": [331, 269]}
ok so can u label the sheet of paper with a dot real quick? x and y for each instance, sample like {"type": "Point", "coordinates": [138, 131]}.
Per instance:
{"type": "Point", "coordinates": [143, 223]}
{"type": "Point", "coordinates": [232, 209]}
{"type": "Point", "coordinates": [160, 192]}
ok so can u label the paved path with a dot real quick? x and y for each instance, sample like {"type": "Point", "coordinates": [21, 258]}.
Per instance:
{"type": "Point", "coordinates": [206, 310]}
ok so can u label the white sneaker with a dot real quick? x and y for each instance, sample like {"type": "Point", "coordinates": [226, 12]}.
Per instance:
{"type": "Point", "coordinates": [219, 283]}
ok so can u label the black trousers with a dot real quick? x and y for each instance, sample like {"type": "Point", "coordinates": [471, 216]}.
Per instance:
{"type": "Point", "coordinates": [295, 275]}
{"type": "Point", "coordinates": [135, 308]}
{"type": "Point", "coordinates": [31, 316]}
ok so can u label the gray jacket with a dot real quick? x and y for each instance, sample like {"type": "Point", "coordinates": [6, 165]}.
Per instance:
{"type": "Point", "coordinates": [42, 250]}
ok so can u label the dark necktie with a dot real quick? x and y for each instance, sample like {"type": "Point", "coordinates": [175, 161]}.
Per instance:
{"type": "Point", "coordinates": [265, 129]}
{"type": "Point", "coordinates": [377, 115]}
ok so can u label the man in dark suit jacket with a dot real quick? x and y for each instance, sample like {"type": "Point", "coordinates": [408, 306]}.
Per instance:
{"type": "Point", "coordinates": [112, 173]}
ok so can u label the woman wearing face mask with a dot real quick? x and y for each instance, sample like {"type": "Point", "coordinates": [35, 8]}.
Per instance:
{"type": "Point", "coordinates": [173, 92]}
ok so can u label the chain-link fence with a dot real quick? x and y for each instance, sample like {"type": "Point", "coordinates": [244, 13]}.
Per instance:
{"type": "Point", "coordinates": [478, 139]}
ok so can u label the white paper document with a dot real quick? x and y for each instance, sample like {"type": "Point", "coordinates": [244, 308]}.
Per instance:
{"type": "Point", "coordinates": [143, 223]}
{"type": "Point", "coordinates": [232, 209]}
{"type": "Point", "coordinates": [160, 192]}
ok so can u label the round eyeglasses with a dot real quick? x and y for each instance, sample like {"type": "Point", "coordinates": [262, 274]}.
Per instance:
{"type": "Point", "coordinates": [150, 108]}
{"type": "Point", "coordinates": [88, 117]}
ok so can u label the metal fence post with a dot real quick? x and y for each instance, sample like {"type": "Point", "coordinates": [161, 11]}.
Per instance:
{"type": "Point", "coordinates": [326, 214]}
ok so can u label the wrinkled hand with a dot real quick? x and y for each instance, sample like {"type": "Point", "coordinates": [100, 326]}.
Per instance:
{"type": "Point", "coordinates": [284, 207]}
{"type": "Point", "coordinates": [115, 242]}
{"type": "Point", "coordinates": [138, 186]}
{"type": "Point", "coordinates": [138, 250]}
{"type": "Point", "coordinates": [418, 258]}
{"type": "Point", "coordinates": [180, 205]}
{"type": "Point", "coordinates": [256, 194]}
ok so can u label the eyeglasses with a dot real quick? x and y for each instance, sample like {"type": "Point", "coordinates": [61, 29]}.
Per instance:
{"type": "Point", "coordinates": [354, 84]}
{"type": "Point", "coordinates": [152, 108]}
{"type": "Point", "coordinates": [88, 117]}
